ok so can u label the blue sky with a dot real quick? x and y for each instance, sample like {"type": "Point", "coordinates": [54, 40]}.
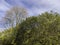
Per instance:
{"type": "Point", "coordinates": [33, 7]}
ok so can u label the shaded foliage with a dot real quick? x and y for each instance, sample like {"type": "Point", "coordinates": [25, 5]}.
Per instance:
{"type": "Point", "coordinates": [41, 30]}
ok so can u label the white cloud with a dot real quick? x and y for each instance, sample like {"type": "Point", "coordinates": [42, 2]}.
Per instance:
{"type": "Point", "coordinates": [37, 6]}
{"type": "Point", "coordinates": [45, 5]}
{"type": "Point", "coordinates": [3, 5]}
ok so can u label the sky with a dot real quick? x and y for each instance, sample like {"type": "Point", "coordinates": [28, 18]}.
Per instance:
{"type": "Point", "coordinates": [33, 7]}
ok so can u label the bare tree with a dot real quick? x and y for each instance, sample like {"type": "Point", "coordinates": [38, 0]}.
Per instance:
{"type": "Point", "coordinates": [15, 14]}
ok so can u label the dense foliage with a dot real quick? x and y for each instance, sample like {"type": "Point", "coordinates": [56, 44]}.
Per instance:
{"type": "Point", "coordinates": [36, 30]}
